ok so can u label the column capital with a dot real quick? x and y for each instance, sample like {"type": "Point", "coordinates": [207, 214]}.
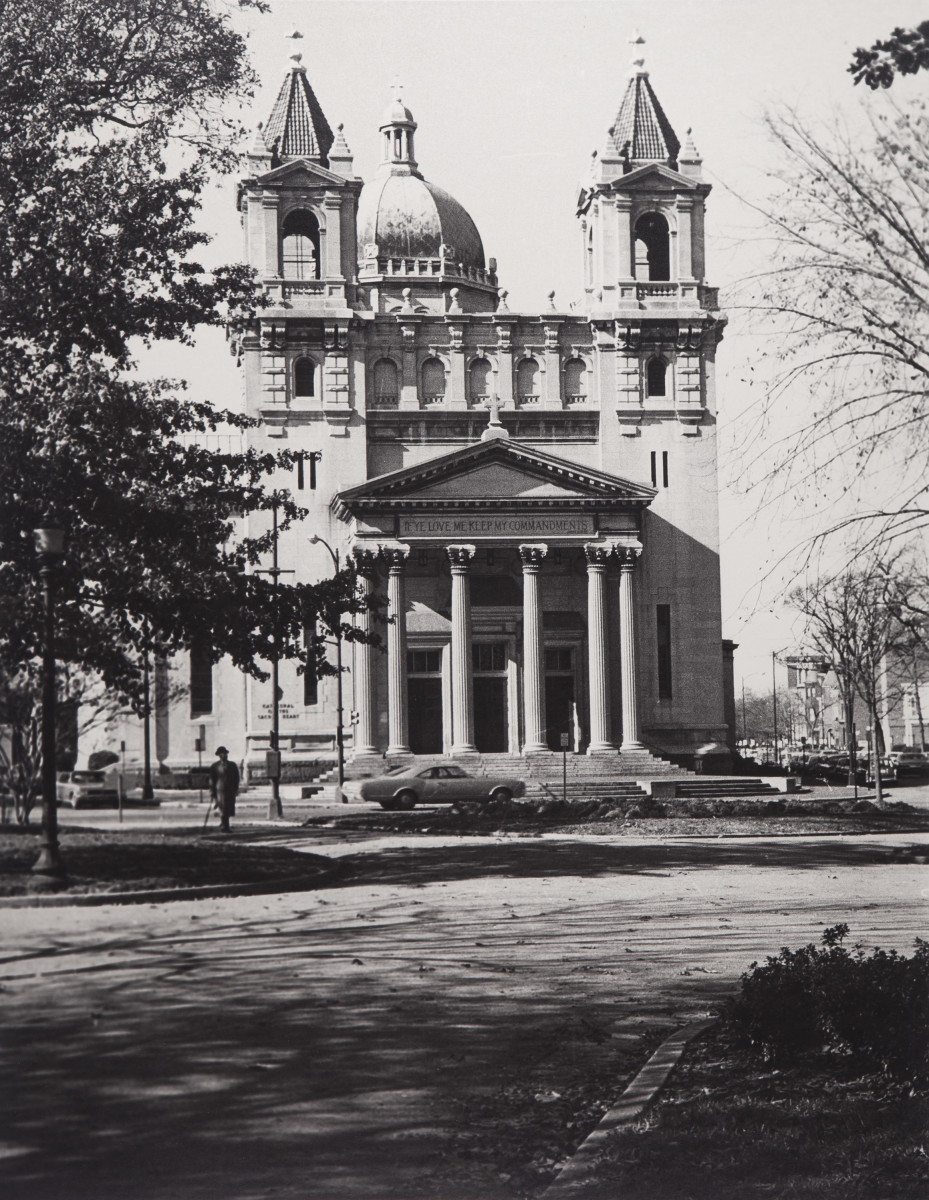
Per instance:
{"type": "Point", "coordinates": [532, 554]}
{"type": "Point", "coordinates": [365, 558]}
{"type": "Point", "coordinates": [460, 556]}
{"type": "Point", "coordinates": [395, 554]}
{"type": "Point", "coordinates": [598, 553]}
{"type": "Point", "coordinates": [628, 556]}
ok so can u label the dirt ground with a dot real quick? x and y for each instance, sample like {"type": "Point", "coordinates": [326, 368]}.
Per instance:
{"type": "Point", "coordinates": [446, 1021]}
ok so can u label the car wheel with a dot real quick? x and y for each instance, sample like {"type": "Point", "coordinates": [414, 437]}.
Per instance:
{"type": "Point", "coordinates": [406, 801]}
{"type": "Point", "coordinates": [501, 794]}
{"type": "Point", "coordinates": [390, 804]}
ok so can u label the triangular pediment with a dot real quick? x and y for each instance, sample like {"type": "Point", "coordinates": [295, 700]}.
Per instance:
{"type": "Point", "coordinates": [499, 471]}
{"type": "Point", "coordinates": [655, 177]}
{"type": "Point", "coordinates": [301, 172]}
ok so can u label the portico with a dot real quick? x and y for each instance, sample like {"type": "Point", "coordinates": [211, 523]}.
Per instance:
{"type": "Point", "coordinates": [509, 577]}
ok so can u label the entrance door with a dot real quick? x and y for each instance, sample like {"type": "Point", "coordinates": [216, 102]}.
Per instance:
{"type": "Point", "coordinates": [424, 696]}
{"type": "Point", "coordinates": [559, 710]}
{"type": "Point", "coordinates": [490, 716]}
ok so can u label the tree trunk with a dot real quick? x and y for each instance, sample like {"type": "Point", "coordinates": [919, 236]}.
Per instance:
{"type": "Point", "coordinates": [919, 707]}
{"type": "Point", "coordinates": [876, 742]}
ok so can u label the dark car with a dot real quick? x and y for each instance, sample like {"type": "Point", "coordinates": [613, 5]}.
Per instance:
{"type": "Point", "coordinates": [86, 789]}
{"type": "Point", "coordinates": [909, 762]}
{"type": "Point", "coordinates": [445, 784]}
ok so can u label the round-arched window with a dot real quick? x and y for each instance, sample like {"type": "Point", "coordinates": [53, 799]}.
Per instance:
{"type": "Point", "coordinates": [656, 372]}
{"type": "Point", "coordinates": [304, 377]}
{"type": "Point", "coordinates": [575, 381]}
{"type": "Point", "coordinates": [433, 378]}
{"type": "Point", "coordinates": [480, 376]}
{"type": "Point", "coordinates": [386, 386]}
{"type": "Point", "coordinates": [652, 247]}
{"type": "Point", "coordinates": [300, 246]}
{"type": "Point", "coordinates": [527, 381]}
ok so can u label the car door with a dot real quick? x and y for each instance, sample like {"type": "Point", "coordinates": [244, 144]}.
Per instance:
{"type": "Point", "coordinates": [457, 785]}
{"type": "Point", "coordinates": [426, 785]}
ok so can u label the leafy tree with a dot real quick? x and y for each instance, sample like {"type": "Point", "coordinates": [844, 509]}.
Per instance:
{"type": "Point", "coordinates": [905, 52]}
{"type": "Point", "coordinates": [850, 621]}
{"type": "Point", "coordinates": [845, 305]}
{"type": "Point", "coordinates": [115, 117]}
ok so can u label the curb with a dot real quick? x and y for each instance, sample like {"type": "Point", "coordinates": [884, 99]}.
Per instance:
{"type": "Point", "coordinates": [576, 1174]}
{"type": "Point", "coordinates": [264, 887]}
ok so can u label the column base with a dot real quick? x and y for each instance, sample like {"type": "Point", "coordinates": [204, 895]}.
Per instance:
{"type": "Point", "coordinates": [537, 748]}
{"type": "Point", "coordinates": [601, 748]}
{"type": "Point", "coordinates": [465, 749]}
{"type": "Point", "coordinates": [632, 746]}
{"type": "Point", "coordinates": [398, 750]}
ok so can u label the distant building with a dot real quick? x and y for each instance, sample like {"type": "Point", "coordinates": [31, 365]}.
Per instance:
{"type": "Point", "coordinates": [535, 493]}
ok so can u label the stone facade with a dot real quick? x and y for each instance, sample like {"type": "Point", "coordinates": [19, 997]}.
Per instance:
{"type": "Point", "coordinates": [535, 493]}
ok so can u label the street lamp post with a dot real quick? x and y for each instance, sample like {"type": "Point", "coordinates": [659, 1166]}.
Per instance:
{"type": "Point", "coordinates": [339, 730]}
{"type": "Point", "coordinates": [49, 543]}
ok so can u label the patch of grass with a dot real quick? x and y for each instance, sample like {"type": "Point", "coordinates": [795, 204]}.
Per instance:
{"type": "Point", "coordinates": [728, 1130]}
{"type": "Point", "coordinates": [142, 860]}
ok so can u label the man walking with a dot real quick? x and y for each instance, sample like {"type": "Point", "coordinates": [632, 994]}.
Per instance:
{"type": "Point", "coordinates": [224, 785]}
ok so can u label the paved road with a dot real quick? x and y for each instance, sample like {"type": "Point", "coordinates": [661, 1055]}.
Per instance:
{"type": "Point", "coordinates": [403, 1033]}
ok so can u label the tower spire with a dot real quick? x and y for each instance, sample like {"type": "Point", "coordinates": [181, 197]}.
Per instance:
{"type": "Point", "coordinates": [297, 127]}
{"type": "Point", "coordinates": [641, 132]}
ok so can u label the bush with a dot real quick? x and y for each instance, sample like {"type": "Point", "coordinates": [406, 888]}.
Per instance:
{"type": "Point", "coordinates": [872, 1007]}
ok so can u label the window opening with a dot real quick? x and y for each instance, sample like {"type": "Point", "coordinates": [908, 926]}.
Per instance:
{"type": "Point", "coordinates": [201, 681]}
{"type": "Point", "coordinates": [527, 380]}
{"type": "Point", "coordinates": [424, 662]}
{"type": "Point", "coordinates": [386, 391]}
{"type": "Point", "coordinates": [559, 658]}
{"type": "Point", "coordinates": [664, 467]}
{"type": "Point", "coordinates": [656, 377]}
{"type": "Point", "coordinates": [488, 656]}
{"type": "Point", "coordinates": [300, 246]}
{"type": "Point", "coordinates": [433, 380]}
{"type": "Point", "coordinates": [654, 468]}
{"type": "Point", "coordinates": [652, 237]}
{"type": "Point", "coordinates": [575, 380]}
{"type": "Point", "coordinates": [663, 614]}
{"type": "Point", "coordinates": [304, 377]}
{"type": "Point", "coordinates": [479, 376]}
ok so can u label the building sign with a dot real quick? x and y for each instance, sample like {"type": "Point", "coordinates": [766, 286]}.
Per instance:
{"type": "Point", "coordinates": [513, 525]}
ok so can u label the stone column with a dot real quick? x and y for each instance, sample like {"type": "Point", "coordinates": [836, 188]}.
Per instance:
{"type": "Point", "coordinates": [396, 651]}
{"type": "Point", "coordinates": [628, 556]}
{"type": "Point", "coordinates": [598, 557]}
{"type": "Point", "coordinates": [533, 675]}
{"type": "Point", "coordinates": [462, 688]}
{"type": "Point", "coordinates": [364, 673]}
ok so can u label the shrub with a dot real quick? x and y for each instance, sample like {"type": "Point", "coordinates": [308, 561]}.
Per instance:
{"type": "Point", "coordinates": [873, 1007]}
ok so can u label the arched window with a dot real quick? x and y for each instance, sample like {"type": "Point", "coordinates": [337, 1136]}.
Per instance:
{"type": "Point", "coordinates": [304, 377]}
{"type": "Point", "coordinates": [479, 380]}
{"type": "Point", "coordinates": [656, 372]}
{"type": "Point", "coordinates": [527, 381]}
{"type": "Point", "coordinates": [652, 247]}
{"type": "Point", "coordinates": [575, 381]}
{"type": "Point", "coordinates": [386, 389]}
{"type": "Point", "coordinates": [433, 381]}
{"type": "Point", "coordinates": [300, 246]}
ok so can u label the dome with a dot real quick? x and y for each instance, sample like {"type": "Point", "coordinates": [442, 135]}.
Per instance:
{"type": "Point", "coordinates": [407, 217]}
{"type": "Point", "coordinates": [396, 113]}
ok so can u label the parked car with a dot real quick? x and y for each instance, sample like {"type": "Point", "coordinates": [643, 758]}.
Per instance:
{"type": "Point", "coordinates": [86, 789]}
{"type": "Point", "coordinates": [405, 787]}
{"type": "Point", "coordinates": [909, 762]}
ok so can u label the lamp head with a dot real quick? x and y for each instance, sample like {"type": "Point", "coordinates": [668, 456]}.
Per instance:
{"type": "Point", "coordinates": [50, 541]}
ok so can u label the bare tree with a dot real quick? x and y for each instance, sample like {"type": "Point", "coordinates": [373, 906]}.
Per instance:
{"type": "Point", "coordinates": [846, 306]}
{"type": "Point", "coordinates": [851, 621]}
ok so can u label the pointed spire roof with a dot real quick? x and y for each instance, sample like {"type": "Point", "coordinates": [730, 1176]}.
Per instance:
{"type": "Point", "coordinates": [641, 131]}
{"type": "Point", "coordinates": [297, 122]}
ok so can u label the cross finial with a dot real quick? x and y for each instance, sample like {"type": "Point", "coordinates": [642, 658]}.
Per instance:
{"type": "Point", "coordinates": [396, 86]}
{"type": "Point", "coordinates": [638, 44]}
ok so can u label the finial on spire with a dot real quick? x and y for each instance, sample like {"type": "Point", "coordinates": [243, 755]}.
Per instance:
{"type": "Point", "coordinates": [295, 57]}
{"type": "Point", "coordinates": [396, 87]}
{"type": "Point", "coordinates": [638, 59]}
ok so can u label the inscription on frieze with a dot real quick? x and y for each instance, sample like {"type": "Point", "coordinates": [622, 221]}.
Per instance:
{"type": "Point", "coordinates": [513, 525]}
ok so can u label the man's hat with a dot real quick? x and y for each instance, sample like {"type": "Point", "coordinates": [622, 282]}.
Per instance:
{"type": "Point", "coordinates": [221, 750]}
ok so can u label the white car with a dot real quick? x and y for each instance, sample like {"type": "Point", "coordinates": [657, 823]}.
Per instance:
{"type": "Point", "coordinates": [86, 789]}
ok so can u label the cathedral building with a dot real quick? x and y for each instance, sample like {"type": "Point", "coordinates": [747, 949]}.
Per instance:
{"type": "Point", "coordinates": [534, 493]}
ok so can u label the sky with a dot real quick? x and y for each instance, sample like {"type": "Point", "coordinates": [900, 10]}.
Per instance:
{"type": "Point", "coordinates": [511, 97]}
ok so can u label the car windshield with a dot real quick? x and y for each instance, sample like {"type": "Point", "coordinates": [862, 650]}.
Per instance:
{"type": "Point", "coordinates": [88, 777]}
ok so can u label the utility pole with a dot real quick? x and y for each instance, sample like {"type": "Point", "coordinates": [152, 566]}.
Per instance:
{"type": "Point", "coordinates": [148, 792]}
{"type": "Point", "coordinates": [339, 729]}
{"type": "Point", "coordinates": [49, 542]}
{"type": "Point", "coordinates": [777, 757]}
{"type": "Point", "coordinates": [275, 809]}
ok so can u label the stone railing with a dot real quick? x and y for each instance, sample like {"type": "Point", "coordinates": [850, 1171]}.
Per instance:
{"type": "Point", "coordinates": [384, 400]}
{"type": "Point", "coordinates": [575, 400]}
